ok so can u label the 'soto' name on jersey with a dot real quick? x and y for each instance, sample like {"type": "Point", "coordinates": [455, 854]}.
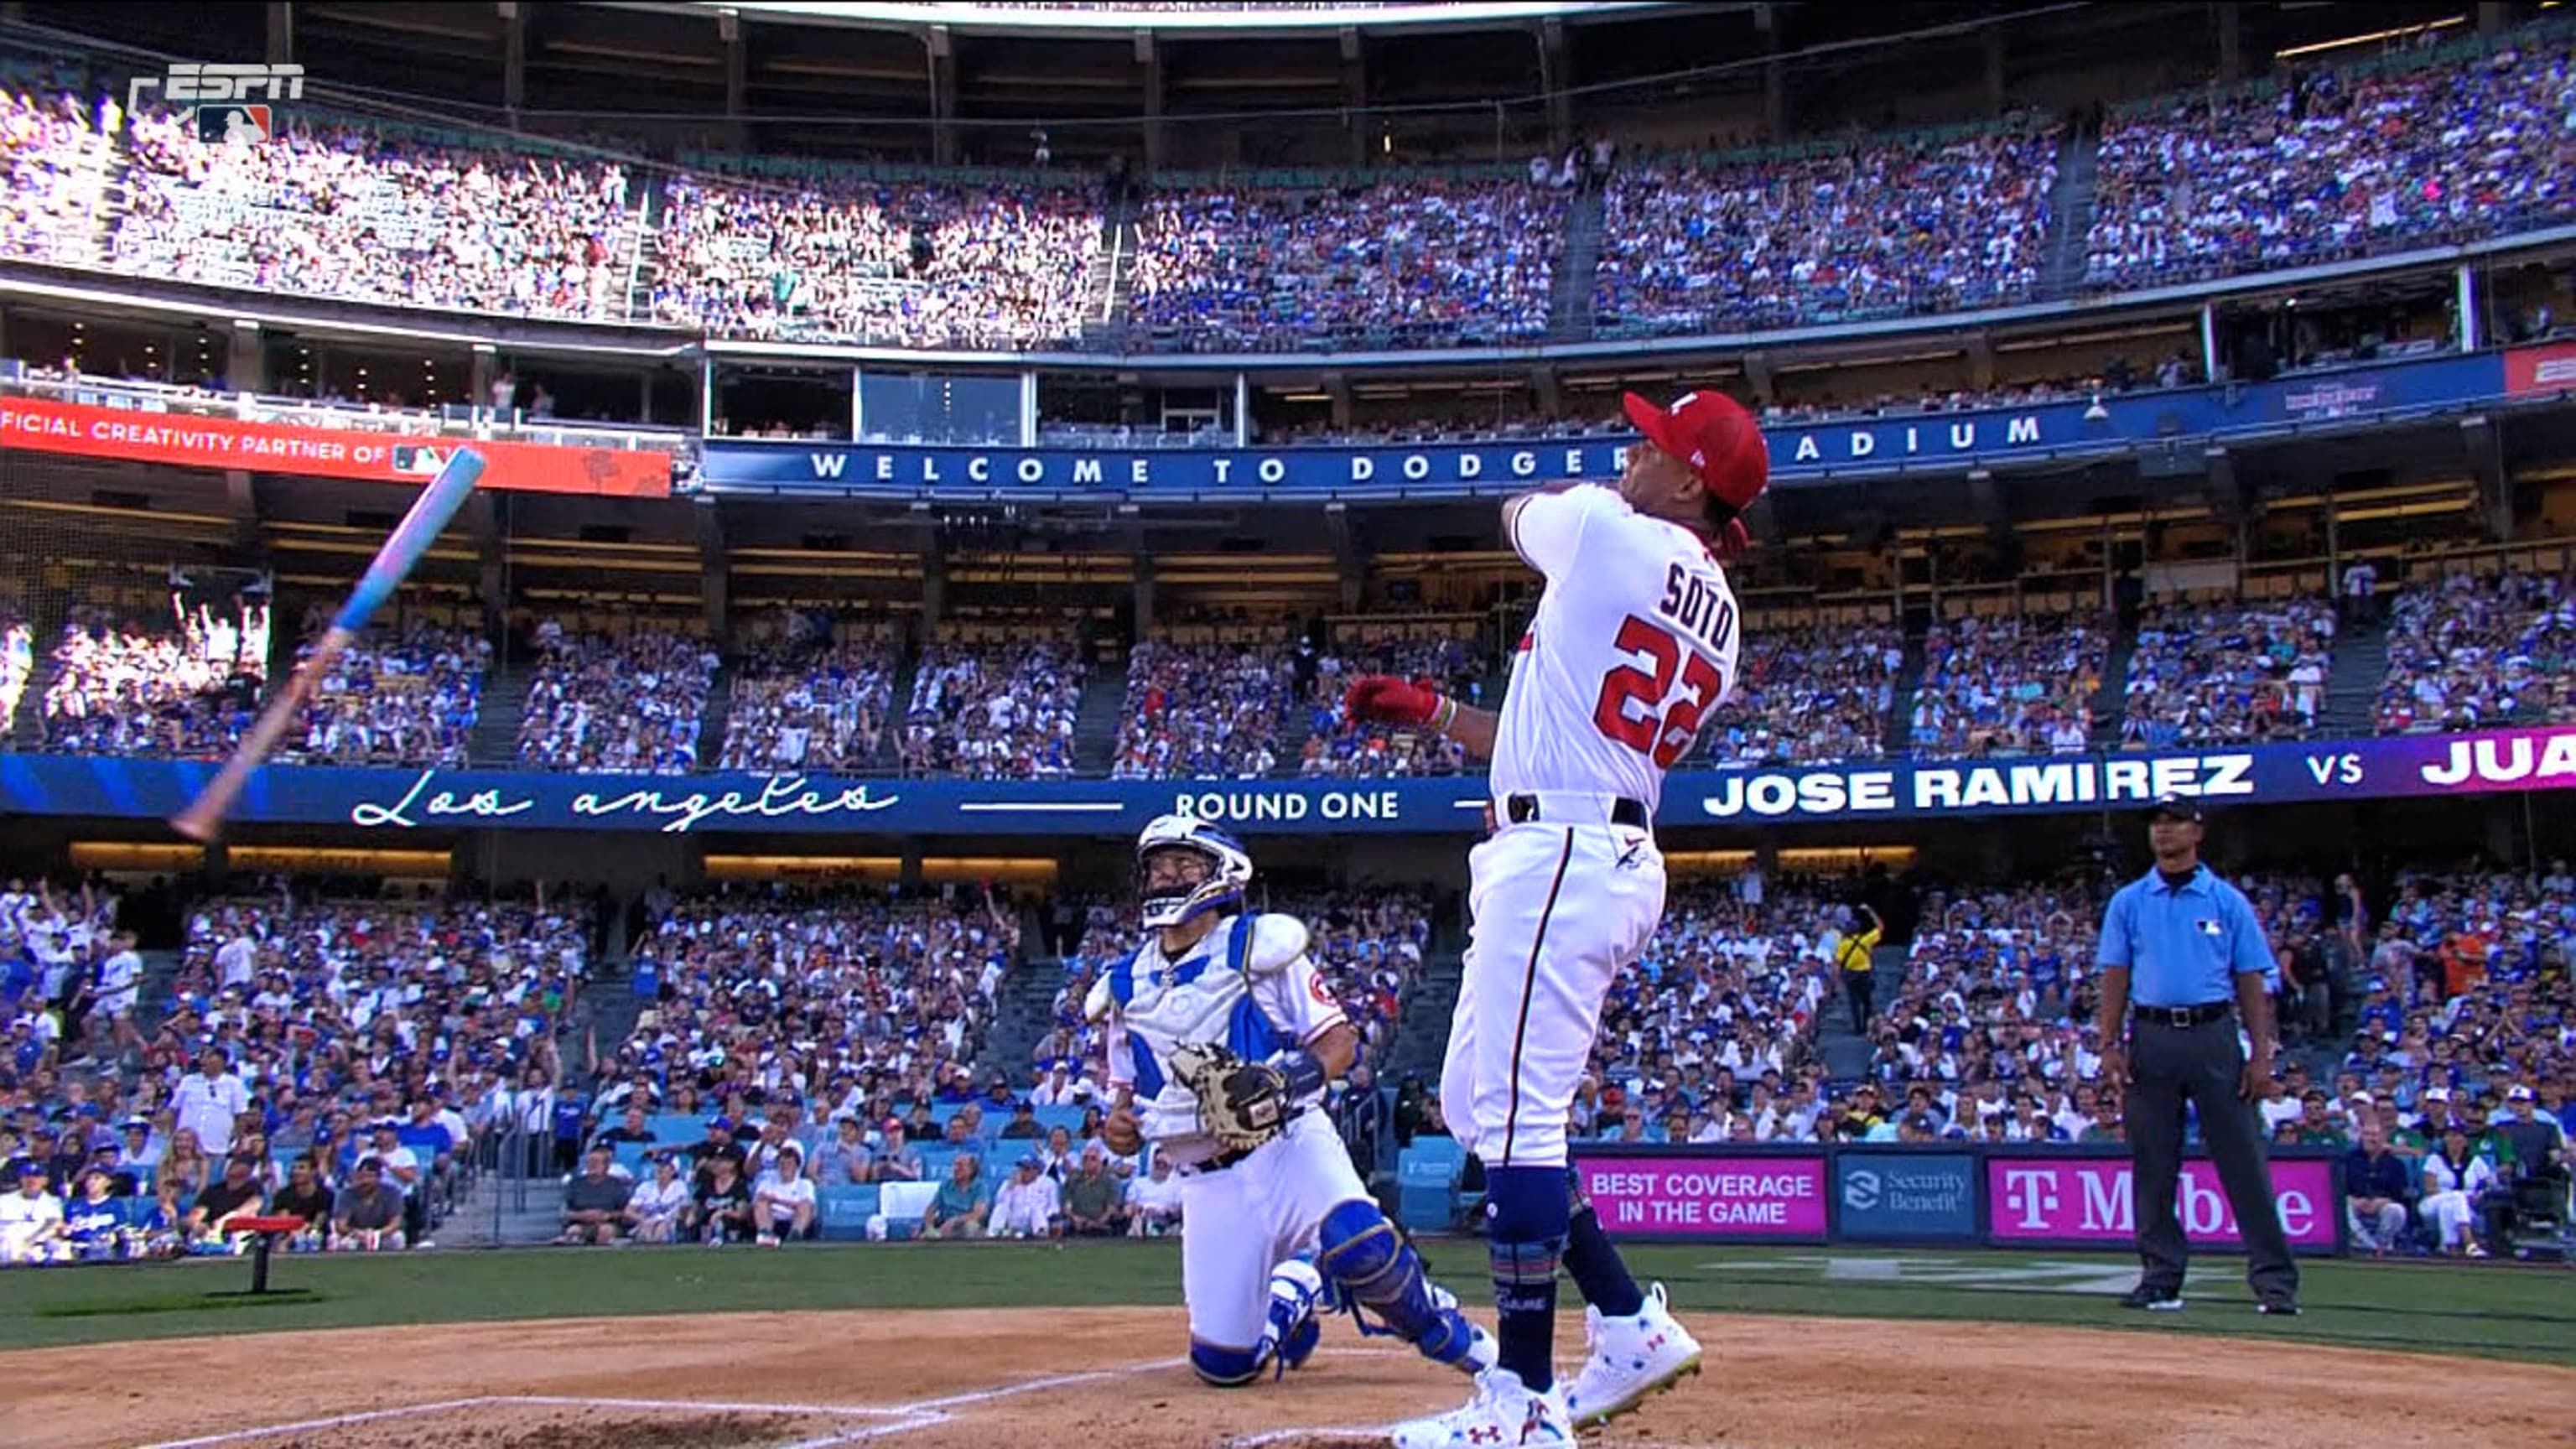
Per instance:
{"type": "Point", "coordinates": [1699, 605]}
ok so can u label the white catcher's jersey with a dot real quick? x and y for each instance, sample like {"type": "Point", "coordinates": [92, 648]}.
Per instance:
{"type": "Point", "coordinates": [1247, 985]}
{"type": "Point", "coordinates": [1633, 644]}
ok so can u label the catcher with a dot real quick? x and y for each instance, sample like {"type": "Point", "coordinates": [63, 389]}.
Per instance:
{"type": "Point", "coordinates": [1221, 1042]}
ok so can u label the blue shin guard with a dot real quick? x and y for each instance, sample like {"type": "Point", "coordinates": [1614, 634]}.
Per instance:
{"type": "Point", "coordinates": [1526, 1213]}
{"type": "Point", "coordinates": [1225, 1368]}
{"type": "Point", "coordinates": [1376, 1269]}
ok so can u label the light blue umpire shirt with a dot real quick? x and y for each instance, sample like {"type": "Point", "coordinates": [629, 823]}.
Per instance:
{"type": "Point", "coordinates": [2185, 946]}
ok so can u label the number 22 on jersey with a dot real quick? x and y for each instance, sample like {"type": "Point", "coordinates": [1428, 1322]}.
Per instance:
{"type": "Point", "coordinates": [1633, 707]}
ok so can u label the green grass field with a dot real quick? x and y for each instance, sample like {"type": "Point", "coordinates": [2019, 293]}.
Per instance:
{"type": "Point", "coordinates": [2519, 1312]}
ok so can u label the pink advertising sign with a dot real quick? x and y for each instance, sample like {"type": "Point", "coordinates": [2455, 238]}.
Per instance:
{"type": "Point", "coordinates": [1708, 1196]}
{"type": "Point", "coordinates": [2086, 1200]}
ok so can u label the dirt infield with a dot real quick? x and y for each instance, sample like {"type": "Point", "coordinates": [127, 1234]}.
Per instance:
{"type": "Point", "coordinates": [1111, 1379]}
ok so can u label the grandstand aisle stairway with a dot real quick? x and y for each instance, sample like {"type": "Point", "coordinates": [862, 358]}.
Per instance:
{"type": "Point", "coordinates": [643, 257]}
{"type": "Point", "coordinates": [2111, 701]}
{"type": "Point", "coordinates": [1909, 682]}
{"type": "Point", "coordinates": [496, 724]}
{"type": "Point", "coordinates": [27, 731]}
{"type": "Point", "coordinates": [1569, 308]}
{"type": "Point", "coordinates": [1023, 1013]}
{"type": "Point", "coordinates": [2352, 685]}
{"type": "Point", "coordinates": [1422, 1037]}
{"type": "Point", "coordinates": [1096, 721]}
{"type": "Point", "coordinates": [1844, 1052]}
{"type": "Point", "coordinates": [711, 729]}
{"type": "Point", "coordinates": [1110, 282]}
{"type": "Point", "coordinates": [907, 674]}
{"type": "Point", "coordinates": [2070, 212]}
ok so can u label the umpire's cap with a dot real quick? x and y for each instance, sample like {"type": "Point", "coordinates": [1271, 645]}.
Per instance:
{"type": "Point", "coordinates": [2175, 807]}
{"type": "Point", "coordinates": [1715, 437]}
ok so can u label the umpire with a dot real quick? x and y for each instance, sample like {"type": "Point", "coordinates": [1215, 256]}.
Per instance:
{"type": "Point", "coordinates": [2183, 961]}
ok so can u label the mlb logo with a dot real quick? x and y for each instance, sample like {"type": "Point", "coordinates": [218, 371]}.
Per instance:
{"type": "Point", "coordinates": [234, 125]}
{"type": "Point", "coordinates": [2210, 928]}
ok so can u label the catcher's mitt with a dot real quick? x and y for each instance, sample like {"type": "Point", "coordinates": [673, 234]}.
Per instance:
{"type": "Point", "coordinates": [1241, 1104]}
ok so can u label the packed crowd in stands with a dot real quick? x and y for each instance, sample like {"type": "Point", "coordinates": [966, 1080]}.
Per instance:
{"type": "Point", "coordinates": [120, 687]}
{"type": "Point", "coordinates": [912, 264]}
{"type": "Point", "coordinates": [2228, 673]}
{"type": "Point", "coordinates": [1410, 262]}
{"type": "Point", "coordinates": [624, 705]}
{"type": "Point", "coordinates": [2010, 684]}
{"type": "Point", "coordinates": [1203, 712]}
{"type": "Point", "coordinates": [2321, 164]}
{"type": "Point", "coordinates": [1336, 748]}
{"type": "Point", "coordinates": [350, 211]}
{"type": "Point", "coordinates": [2469, 653]}
{"type": "Point", "coordinates": [1882, 228]}
{"type": "Point", "coordinates": [806, 701]}
{"type": "Point", "coordinates": [337, 1061]}
{"type": "Point", "coordinates": [1712, 1037]}
{"type": "Point", "coordinates": [994, 711]}
{"type": "Point", "coordinates": [54, 164]}
{"type": "Point", "coordinates": [17, 663]}
{"type": "Point", "coordinates": [406, 700]}
{"type": "Point", "coordinates": [1809, 695]}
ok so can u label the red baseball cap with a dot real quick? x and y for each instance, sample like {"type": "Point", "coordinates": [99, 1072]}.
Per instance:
{"type": "Point", "coordinates": [1715, 437]}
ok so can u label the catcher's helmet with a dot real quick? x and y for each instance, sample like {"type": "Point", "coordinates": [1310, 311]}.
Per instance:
{"type": "Point", "coordinates": [1229, 871]}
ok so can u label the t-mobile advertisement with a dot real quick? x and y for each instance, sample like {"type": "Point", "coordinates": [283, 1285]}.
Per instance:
{"type": "Point", "coordinates": [1713, 1197]}
{"type": "Point", "coordinates": [2066, 1201]}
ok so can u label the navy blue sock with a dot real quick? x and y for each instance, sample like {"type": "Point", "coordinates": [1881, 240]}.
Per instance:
{"type": "Point", "coordinates": [1525, 1216]}
{"type": "Point", "coordinates": [1593, 1261]}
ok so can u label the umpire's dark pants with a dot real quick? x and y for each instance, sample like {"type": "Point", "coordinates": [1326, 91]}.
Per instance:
{"type": "Point", "coordinates": [2203, 1064]}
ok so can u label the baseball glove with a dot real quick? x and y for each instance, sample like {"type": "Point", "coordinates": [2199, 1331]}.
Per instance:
{"type": "Point", "coordinates": [1241, 1104]}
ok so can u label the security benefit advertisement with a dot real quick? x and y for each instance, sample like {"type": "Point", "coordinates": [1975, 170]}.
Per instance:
{"type": "Point", "coordinates": [1909, 1196]}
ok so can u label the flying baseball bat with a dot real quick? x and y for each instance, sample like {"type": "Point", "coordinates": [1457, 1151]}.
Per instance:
{"type": "Point", "coordinates": [385, 572]}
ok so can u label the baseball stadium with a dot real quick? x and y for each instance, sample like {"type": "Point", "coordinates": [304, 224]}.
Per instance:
{"type": "Point", "coordinates": [1201, 725]}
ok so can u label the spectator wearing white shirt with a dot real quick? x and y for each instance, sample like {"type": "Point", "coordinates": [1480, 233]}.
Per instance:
{"type": "Point", "coordinates": [1028, 1205]}
{"type": "Point", "coordinates": [655, 1207]}
{"type": "Point", "coordinates": [1156, 1200]}
{"type": "Point", "coordinates": [209, 1100]}
{"type": "Point", "coordinates": [782, 1201]}
{"type": "Point", "coordinates": [31, 1220]}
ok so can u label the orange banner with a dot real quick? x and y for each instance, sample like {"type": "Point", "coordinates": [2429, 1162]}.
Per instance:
{"type": "Point", "coordinates": [190, 441]}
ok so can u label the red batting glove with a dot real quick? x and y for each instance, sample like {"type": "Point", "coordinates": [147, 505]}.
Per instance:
{"type": "Point", "coordinates": [1385, 699]}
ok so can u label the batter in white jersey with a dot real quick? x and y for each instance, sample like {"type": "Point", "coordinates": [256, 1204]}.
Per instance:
{"type": "Point", "coordinates": [1634, 642]}
{"type": "Point", "coordinates": [1210, 975]}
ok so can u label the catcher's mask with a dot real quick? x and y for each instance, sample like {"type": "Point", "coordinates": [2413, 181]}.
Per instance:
{"type": "Point", "coordinates": [1229, 872]}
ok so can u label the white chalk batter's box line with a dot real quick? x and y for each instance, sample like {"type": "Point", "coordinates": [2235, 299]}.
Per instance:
{"type": "Point", "coordinates": [891, 1419]}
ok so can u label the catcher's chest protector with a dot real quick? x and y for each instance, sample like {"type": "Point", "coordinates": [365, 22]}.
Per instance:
{"type": "Point", "coordinates": [1206, 996]}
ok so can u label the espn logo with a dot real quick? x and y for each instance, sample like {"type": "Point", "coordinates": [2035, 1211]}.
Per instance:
{"type": "Point", "coordinates": [239, 125]}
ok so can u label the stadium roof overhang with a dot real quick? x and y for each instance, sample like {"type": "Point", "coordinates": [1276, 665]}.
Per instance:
{"type": "Point", "coordinates": [1113, 18]}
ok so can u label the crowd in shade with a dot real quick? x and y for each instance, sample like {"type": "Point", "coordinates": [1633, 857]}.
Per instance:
{"type": "Point", "coordinates": [805, 700]}
{"type": "Point", "coordinates": [2471, 653]}
{"type": "Point", "coordinates": [2228, 673]}
{"type": "Point", "coordinates": [409, 699]}
{"type": "Point", "coordinates": [1712, 1037]}
{"type": "Point", "coordinates": [121, 687]}
{"type": "Point", "coordinates": [54, 167]}
{"type": "Point", "coordinates": [912, 264]}
{"type": "Point", "coordinates": [629, 704]}
{"type": "Point", "coordinates": [1809, 695]}
{"type": "Point", "coordinates": [994, 711]}
{"type": "Point", "coordinates": [332, 1060]}
{"type": "Point", "coordinates": [1883, 227]}
{"type": "Point", "coordinates": [1203, 712]}
{"type": "Point", "coordinates": [1400, 262]}
{"type": "Point", "coordinates": [823, 998]}
{"type": "Point", "coordinates": [353, 211]}
{"type": "Point", "coordinates": [2317, 164]}
{"type": "Point", "coordinates": [2010, 684]}
{"type": "Point", "coordinates": [1337, 748]}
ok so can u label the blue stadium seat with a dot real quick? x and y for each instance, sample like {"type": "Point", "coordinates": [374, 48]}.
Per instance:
{"type": "Point", "coordinates": [843, 1212]}
{"type": "Point", "coordinates": [630, 1155]}
{"type": "Point", "coordinates": [1068, 1118]}
{"type": "Point", "coordinates": [676, 1129]}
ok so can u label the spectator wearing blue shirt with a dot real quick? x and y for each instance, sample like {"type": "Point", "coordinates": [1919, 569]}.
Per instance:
{"type": "Point", "coordinates": [2182, 957]}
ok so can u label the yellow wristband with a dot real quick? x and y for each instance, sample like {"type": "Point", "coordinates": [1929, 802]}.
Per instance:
{"type": "Point", "coordinates": [1444, 714]}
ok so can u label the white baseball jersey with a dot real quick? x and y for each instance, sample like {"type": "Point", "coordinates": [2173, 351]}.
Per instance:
{"type": "Point", "coordinates": [1633, 644]}
{"type": "Point", "coordinates": [1248, 985]}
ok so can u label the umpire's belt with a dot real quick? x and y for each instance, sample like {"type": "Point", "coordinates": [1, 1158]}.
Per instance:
{"type": "Point", "coordinates": [1570, 807]}
{"type": "Point", "coordinates": [2181, 1016]}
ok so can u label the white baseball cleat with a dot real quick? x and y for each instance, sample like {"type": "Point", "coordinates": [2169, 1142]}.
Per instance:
{"type": "Point", "coordinates": [1502, 1415]}
{"type": "Point", "coordinates": [1628, 1360]}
